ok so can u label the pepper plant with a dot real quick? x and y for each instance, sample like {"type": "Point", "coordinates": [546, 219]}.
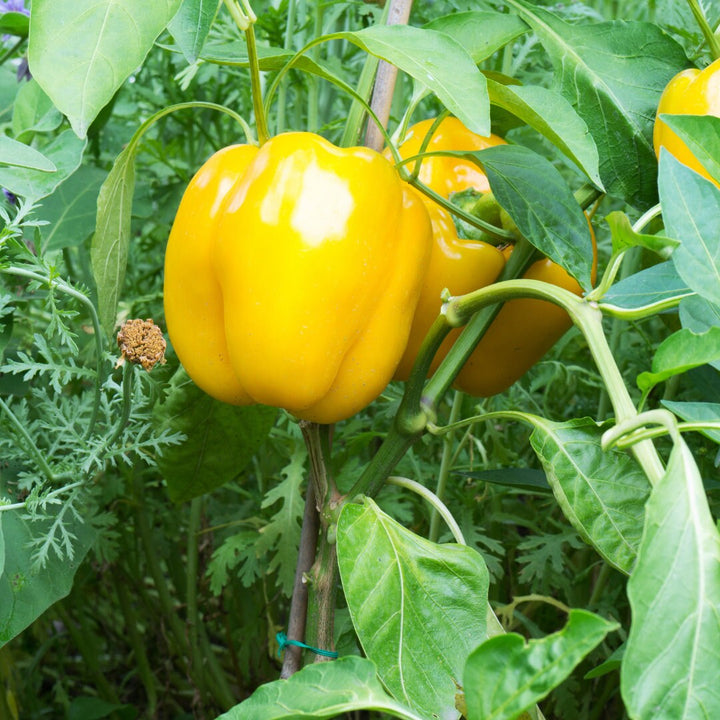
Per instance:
{"type": "Point", "coordinates": [268, 523]}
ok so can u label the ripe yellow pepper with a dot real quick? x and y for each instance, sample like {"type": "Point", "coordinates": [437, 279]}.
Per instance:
{"type": "Point", "coordinates": [292, 273]}
{"type": "Point", "coordinates": [524, 330]}
{"type": "Point", "coordinates": [690, 92]}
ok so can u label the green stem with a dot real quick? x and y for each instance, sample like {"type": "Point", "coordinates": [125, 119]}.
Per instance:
{"type": "Point", "coordinates": [258, 107]}
{"type": "Point", "coordinates": [705, 28]}
{"type": "Point", "coordinates": [11, 50]}
{"type": "Point", "coordinates": [438, 506]}
{"type": "Point", "coordinates": [313, 122]}
{"type": "Point", "coordinates": [191, 582]}
{"type": "Point", "coordinates": [588, 318]}
{"type": "Point", "coordinates": [127, 385]}
{"type": "Point", "coordinates": [287, 44]}
{"type": "Point", "coordinates": [445, 465]}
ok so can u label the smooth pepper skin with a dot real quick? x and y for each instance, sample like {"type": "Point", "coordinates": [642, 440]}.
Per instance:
{"type": "Point", "coordinates": [690, 92]}
{"type": "Point", "coordinates": [292, 274]}
{"type": "Point", "coordinates": [524, 329]}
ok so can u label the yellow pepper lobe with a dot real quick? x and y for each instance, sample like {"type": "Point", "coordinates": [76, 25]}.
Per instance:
{"type": "Point", "coordinates": [317, 255]}
{"type": "Point", "coordinates": [690, 92]}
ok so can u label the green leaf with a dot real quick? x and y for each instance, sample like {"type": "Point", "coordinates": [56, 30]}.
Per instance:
{"type": "Point", "coordinates": [610, 665]}
{"type": "Point", "coordinates": [602, 493]}
{"type": "Point", "coordinates": [93, 708]}
{"type": "Point", "coordinates": [482, 34]}
{"type": "Point", "coordinates": [14, 23]}
{"type": "Point", "coordinates": [27, 591]}
{"type": "Point", "coordinates": [701, 133]}
{"type": "Point", "coordinates": [436, 61]}
{"type": "Point", "coordinates": [541, 204]}
{"type": "Point", "coordinates": [221, 439]}
{"type": "Point", "coordinates": [64, 152]}
{"type": "Point", "coordinates": [682, 351]}
{"type": "Point", "coordinates": [191, 24]}
{"type": "Point", "coordinates": [70, 210]}
{"type": "Point", "coordinates": [691, 206]}
{"type": "Point", "coordinates": [2, 544]}
{"type": "Point", "coordinates": [613, 73]}
{"type": "Point", "coordinates": [82, 51]}
{"type": "Point", "coordinates": [321, 690]}
{"type": "Point", "coordinates": [520, 478]}
{"type": "Point", "coordinates": [698, 413]}
{"type": "Point", "coordinates": [552, 116]}
{"type": "Point", "coordinates": [624, 237]}
{"type": "Point", "coordinates": [34, 112]}
{"type": "Point", "coordinates": [699, 315]}
{"type": "Point", "coordinates": [506, 675]}
{"type": "Point", "coordinates": [18, 154]}
{"type": "Point", "coordinates": [418, 608]}
{"type": "Point", "coordinates": [109, 249]}
{"type": "Point", "coordinates": [651, 286]}
{"type": "Point", "coordinates": [670, 668]}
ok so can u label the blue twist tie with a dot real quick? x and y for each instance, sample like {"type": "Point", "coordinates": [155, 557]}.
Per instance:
{"type": "Point", "coordinates": [283, 642]}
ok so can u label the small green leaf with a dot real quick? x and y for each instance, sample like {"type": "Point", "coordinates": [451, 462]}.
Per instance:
{"type": "Point", "coordinates": [540, 202]}
{"type": "Point", "coordinates": [64, 153]}
{"type": "Point", "coordinates": [14, 23]}
{"type": "Point", "coordinates": [82, 51]}
{"type": "Point", "coordinates": [481, 33]}
{"type": "Point", "coordinates": [109, 249]}
{"type": "Point", "coordinates": [701, 133]}
{"type": "Point", "coordinates": [18, 154]}
{"type": "Point", "coordinates": [27, 591]}
{"type": "Point", "coordinates": [697, 413]}
{"type": "Point", "coordinates": [670, 668]}
{"type": "Point", "coordinates": [506, 675]}
{"type": "Point", "coordinates": [682, 351]}
{"type": "Point", "coordinates": [552, 116]}
{"type": "Point", "coordinates": [691, 206]}
{"type": "Point", "coordinates": [221, 439]}
{"type": "Point", "coordinates": [418, 608]}
{"type": "Point", "coordinates": [70, 210]}
{"type": "Point", "coordinates": [624, 237]}
{"type": "Point", "coordinates": [602, 493]}
{"type": "Point", "coordinates": [319, 691]}
{"type": "Point", "coordinates": [436, 61]}
{"type": "Point", "coordinates": [610, 665]}
{"type": "Point", "coordinates": [651, 286]}
{"type": "Point", "coordinates": [191, 24]}
{"type": "Point", "coordinates": [520, 478]}
{"type": "Point", "coordinates": [34, 112]}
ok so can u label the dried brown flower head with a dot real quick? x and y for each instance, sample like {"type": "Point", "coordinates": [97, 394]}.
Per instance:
{"type": "Point", "coordinates": [141, 342]}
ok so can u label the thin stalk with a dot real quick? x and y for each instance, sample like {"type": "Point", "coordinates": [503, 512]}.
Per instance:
{"type": "Point", "coordinates": [445, 465]}
{"type": "Point", "coordinates": [710, 39]}
{"type": "Point", "coordinates": [131, 626]}
{"type": "Point", "coordinates": [191, 581]}
{"type": "Point", "coordinates": [436, 503]}
{"type": "Point", "coordinates": [297, 621]}
{"type": "Point", "coordinates": [282, 89]}
{"type": "Point", "coordinates": [256, 85]}
{"type": "Point", "coordinates": [127, 385]}
{"type": "Point", "coordinates": [313, 123]}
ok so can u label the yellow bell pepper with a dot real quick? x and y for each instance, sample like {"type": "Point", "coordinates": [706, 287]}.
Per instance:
{"type": "Point", "coordinates": [292, 273]}
{"type": "Point", "coordinates": [690, 92]}
{"type": "Point", "coordinates": [524, 330]}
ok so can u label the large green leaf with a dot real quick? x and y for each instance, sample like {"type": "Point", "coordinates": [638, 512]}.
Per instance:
{"type": "Point", "coordinates": [613, 73]}
{"type": "Point", "coordinates": [70, 210]}
{"type": "Point", "coordinates": [191, 25]}
{"type": "Point", "coordinates": [436, 61]}
{"type": "Point", "coordinates": [691, 206]}
{"type": "Point", "coordinates": [540, 202]}
{"type": "Point", "coordinates": [418, 608]}
{"type": "Point", "coordinates": [64, 152]}
{"type": "Point", "coordinates": [322, 690]}
{"type": "Point", "coordinates": [82, 51]}
{"type": "Point", "coordinates": [670, 667]}
{"type": "Point", "coordinates": [26, 590]}
{"type": "Point", "coordinates": [506, 675]}
{"type": "Point", "coordinates": [552, 116]}
{"type": "Point", "coordinates": [109, 249]}
{"type": "Point", "coordinates": [18, 154]}
{"type": "Point", "coordinates": [481, 33]}
{"type": "Point", "coordinates": [602, 493]}
{"type": "Point", "coordinates": [698, 413]}
{"type": "Point", "coordinates": [221, 439]}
